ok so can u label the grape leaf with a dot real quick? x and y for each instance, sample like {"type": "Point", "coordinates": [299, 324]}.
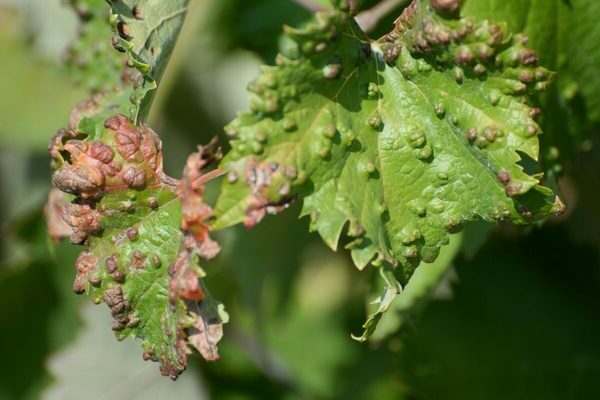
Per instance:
{"type": "Point", "coordinates": [418, 292]}
{"type": "Point", "coordinates": [146, 31]}
{"type": "Point", "coordinates": [91, 59]}
{"type": "Point", "coordinates": [406, 138]}
{"type": "Point", "coordinates": [571, 109]}
{"type": "Point", "coordinates": [144, 231]}
{"type": "Point", "coordinates": [128, 214]}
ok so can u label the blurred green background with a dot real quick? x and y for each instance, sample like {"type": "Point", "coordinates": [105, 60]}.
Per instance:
{"type": "Point", "coordinates": [516, 315]}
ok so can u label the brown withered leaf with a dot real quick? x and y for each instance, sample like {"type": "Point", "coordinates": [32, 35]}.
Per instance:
{"type": "Point", "coordinates": [186, 286]}
{"type": "Point", "coordinates": [196, 212]}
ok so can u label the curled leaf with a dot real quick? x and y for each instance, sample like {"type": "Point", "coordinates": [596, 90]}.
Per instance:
{"type": "Point", "coordinates": [146, 31]}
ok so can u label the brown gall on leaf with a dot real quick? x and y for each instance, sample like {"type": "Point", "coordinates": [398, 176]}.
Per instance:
{"type": "Point", "coordinates": [137, 12]}
{"type": "Point", "coordinates": [134, 178]}
{"type": "Point", "coordinates": [196, 212]}
{"type": "Point", "coordinates": [481, 48]}
{"type": "Point", "coordinates": [83, 220]}
{"type": "Point", "coordinates": [270, 184]}
{"type": "Point", "coordinates": [85, 265]}
{"type": "Point", "coordinates": [88, 168]}
{"type": "Point", "coordinates": [445, 6]}
{"type": "Point", "coordinates": [56, 144]}
{"type": "Point", "coordinates": [80, 180]}
{"type": "Point", "coordinates": [119, 308]}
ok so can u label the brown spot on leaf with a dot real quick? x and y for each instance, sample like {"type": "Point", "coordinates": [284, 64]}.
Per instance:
{"type": "Point", "coordinates": [84, 266]}
{"type": "Point", "coordinates": [445, 6]}
{"type": "Point", "coordinates": [101, 152]}
{"type": "Point", "coordinates": [111, 263]}
{"type": "Point", "coordinates": [132, 234]}
{"type": "Point", "coordinates": [83, 220]}
{"type": "Point", "coordinates": [134, 177]}
{"type": "Point", "coordinates": [137, 12]}
{"type": "Point", "coordinates": [81, 180]}
{"type": "Point", "coordinates": [119, 308]}
{"type": "Point", "coordinates": [260, 177]}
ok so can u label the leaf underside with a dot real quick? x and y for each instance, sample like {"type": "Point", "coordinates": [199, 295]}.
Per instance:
{"type": "Point", "coordinates": [403, 140]}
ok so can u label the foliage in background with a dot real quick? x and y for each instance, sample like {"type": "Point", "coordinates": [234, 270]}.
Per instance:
{"type": "Point", "coordinates": [271, 278]}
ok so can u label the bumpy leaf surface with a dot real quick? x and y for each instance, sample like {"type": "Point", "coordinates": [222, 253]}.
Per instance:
{"type": "Point", "coordinates": [146, 30]}
{"type": "Point", "coordinates": [144, 231]}
{"type": "Point", "coordinates": [572, 108]}
{"type": "Point", "coordinates": [128, 214]}
{"type": "Point", "coordinates": [91, 59]}
{"type": "Point", "coordinates": [406, 138]}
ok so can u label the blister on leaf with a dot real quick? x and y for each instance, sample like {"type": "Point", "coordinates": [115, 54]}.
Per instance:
{"type": "Point", "coordinates": [400, 141]}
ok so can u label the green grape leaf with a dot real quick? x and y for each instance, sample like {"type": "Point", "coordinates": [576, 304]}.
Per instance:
{"type": "Point", "coordinates": [146, 30]}
{"type": "Point", "coordinates": [419, 291]}
{"type": "Point", "coordinates": [405, 139]}
{"type": "Point", "coordinates": [143, 233]}
{"type": "Point", "coordinates": [572, 107]}
{"type": "Point", "coordinates": [392, 290]}
{"type": "Point", "coordinates": [91, 59]}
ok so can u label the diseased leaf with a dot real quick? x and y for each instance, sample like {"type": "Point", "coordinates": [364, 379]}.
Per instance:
{"type": "Point", "coordinates": [93, 63]}
{"type": "Point", "coordinates": [146, 30]}
{"type": "Point", "coordinates": [143, 230]}
{"type": "Point", "coordinates": [419, 291]}
{"type": "Point", "coordinates": [127, 213]}
{"type": "Point", "coordinates": [572, 107]}
{"type": "Point", "coordinates": [406, 139]}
